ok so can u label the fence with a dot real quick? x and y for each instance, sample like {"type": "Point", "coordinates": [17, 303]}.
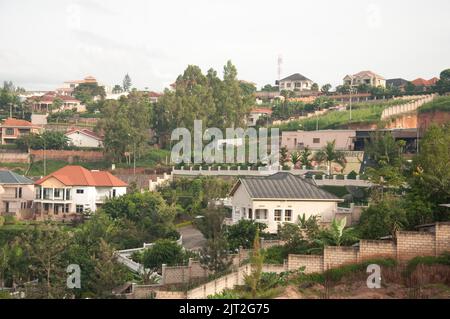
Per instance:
{"type": "Point", "coordinates": [407, 107]}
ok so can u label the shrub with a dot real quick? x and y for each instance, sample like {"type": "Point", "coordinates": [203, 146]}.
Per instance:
{"type": "Point", "coordinates": [9, 220]}
{"type": "Point", "coordinates": [443, 259]}
{"type": "Point", "coordinates": [352, 175]}
{"type": "Point", "coordinates": [164, 251]}
{"type": "Point", "coordinates": [275, 255]}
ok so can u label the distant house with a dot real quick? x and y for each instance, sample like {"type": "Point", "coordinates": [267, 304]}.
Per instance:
{"type": "Point", "coordinates": [84, 138]}
{"type": "Point", "coordinates": [256, 113]}
{"type": "Point", "coordinates": [364, 77]}
{"type": "Point", "coordinates": [315, 140]}
{"type": "Point", "coordinates": [425, 83]}
{"type": "Point", "coordinates": [280, 198]}
{"type": "Point", "coordinates": [154, 96]}
{"type": "Point", "coordinates": [68, 86]}
{"type": "Point", "coordinates": [12, 129]}
{"type": "Point", "coordinates": [296, 82]}
{"type": "Point", "coordinates": [45, 103]}
{"type": "Point", "coordinates": [397, 83]}
{"type": "Point", "coordinates": [74, 189]}
{"type": "Point", "coordinates": [16, 193]}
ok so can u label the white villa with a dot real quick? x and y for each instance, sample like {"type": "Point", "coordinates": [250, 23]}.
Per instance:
{"type": "Point", "coordinates": [84, 138]}
{"type": "Point", "coordinates": [74, 189]}
{"type": "Point", "coordinates": [280, 198]}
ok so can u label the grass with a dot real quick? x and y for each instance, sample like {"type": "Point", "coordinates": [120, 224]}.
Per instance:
{"type": "Point", "coordinates": [438, 104]}
{"type": "Point", "coordinates": [361, 113]}
{"type": "Point", "coordinates": [443, 259]}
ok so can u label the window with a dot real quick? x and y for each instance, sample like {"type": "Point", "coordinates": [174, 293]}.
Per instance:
{"type": "Point", "coordinates": [288, 215]}
{"type": "Point", "coordinates": [67, 194]}
{"type": "Point", "coordinates": [114, 193]}
{"type": "Point", "coordinates": [243, 212]}
{"type": "Point", "coordinates": [277, 215]}
{"type": "Point", "coordinates": [298, 84]}
{"type": "Point", "coordinates": [316, 140]}
{"type": "Point", "coordinates": [250, 213]}
{"type": "Point", "coordinates": [57, 192]}
{"type": "Point", "coordinates": [261, 214]}
{"type": "Point", "coordinates": [79, 209]}
{"type": "Point", "coordinates": [288, 85]}
{"type": "Point", "coordinates": [9, 131]}
{"type": "Point", "coordinates": [80, 191]}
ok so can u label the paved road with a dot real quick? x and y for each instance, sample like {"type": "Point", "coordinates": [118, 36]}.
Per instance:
{"type": "Point", "coordinates": [192, 238]}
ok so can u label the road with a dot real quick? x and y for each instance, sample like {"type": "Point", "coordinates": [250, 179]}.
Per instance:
{"type": "Point", "coordinates": [192, 238]}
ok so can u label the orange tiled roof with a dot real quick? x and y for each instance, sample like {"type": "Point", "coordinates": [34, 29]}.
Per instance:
{"type": "Point", "coordinates": [74, 175]}
{"type": "Point", "coordinates": [261, 110]}
{"type": "Point", "coordinates": [423, 82]}
{"type": "Point", "coordinates": [15, 122]}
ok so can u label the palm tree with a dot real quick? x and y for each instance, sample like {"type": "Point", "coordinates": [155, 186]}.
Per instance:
{"type": "Point", "coordinates": [304, 157]}
{"type": "Point", "coordinates": [295, 158]}
{"type": "Point", "coordinates": [329, 154]}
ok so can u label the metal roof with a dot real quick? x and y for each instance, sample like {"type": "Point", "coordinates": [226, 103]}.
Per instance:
{"type": "Point", "coordinates": [9, 177]}
{"type": "Point", "coordinates": [283, 185]}
{"type": "Point", "coordinates": [296, 77]}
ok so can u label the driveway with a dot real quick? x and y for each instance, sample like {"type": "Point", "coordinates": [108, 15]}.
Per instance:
{"type": "Point", "coordinates": [192, 238]}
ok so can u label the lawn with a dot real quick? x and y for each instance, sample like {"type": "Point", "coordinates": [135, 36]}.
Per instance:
{"type": "Point", "coordinates": [361, 113]}
{"type": "Point", "coordinates": [441, 103]}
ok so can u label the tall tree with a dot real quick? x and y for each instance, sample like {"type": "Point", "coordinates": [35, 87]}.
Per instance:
{"type": "Point", "coordinates": [126, 83]}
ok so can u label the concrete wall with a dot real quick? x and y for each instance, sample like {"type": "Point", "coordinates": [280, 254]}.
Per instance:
{"type": "Point", "coordinates": [343, 138]}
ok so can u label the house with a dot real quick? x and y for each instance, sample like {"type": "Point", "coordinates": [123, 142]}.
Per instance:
{"type": "Point", "coordinates": [365, 77]}
{"type": "Point", "coordinates": [256, 113]}
{"type": "Point", "coordinates": [68, 86]}
{"type": "Point", "coordinates": [84, 138]}
{"type": "Point", "coordinates": [425, 83]}
{"type": "Point", "coordinates": [296, 82]}
{"type": "Point", "coordinates": [397, 83]}
{"type": "Point", "coordinates": [315, 140]}
{"type": "Point", "coordinates": [16, 193]}
{"type": "Point", "coordinates": [45, 103]}
{"type": "Point", "coordinates": [280, 198]}
{"type": "Point", "coordinates": [74, 189]}
{"type": "Point", "coordinates": [12, 129]}
{"type": "Point", "coordinates": [154, 96]}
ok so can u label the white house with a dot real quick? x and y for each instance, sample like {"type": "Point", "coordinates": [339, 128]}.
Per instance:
{"type": "Point", "coordinates": [84, 138]}
{"type": "Point", "coordinates": [74, 189]}
{"type": "Point", "coordinates": [280, 198]}
{"type": "Point", "coordinates": [365, 77]}
{"type": "Point", "coordinates": [296, 82]}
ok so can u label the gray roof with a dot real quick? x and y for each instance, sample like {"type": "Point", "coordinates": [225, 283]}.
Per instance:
{"type": "Point", "coordinates": [9, 177]}
{"type": "Point", "coordinates": [284, 185]}
{"type": "Point", "coordinates": [296, 77]}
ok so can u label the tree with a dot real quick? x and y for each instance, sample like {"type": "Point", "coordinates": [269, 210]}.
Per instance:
{"type": "Point", "coordinates": [295, 158]}
{"type": "Point", "coordinates": [51, 140]}
{"type": "Point", "coordinates": [382, 218]}
{"type": "Point", "coordinates": [146, 215]}
{"type": "Point", "coordinates": [243, 232]}
{"type": "Point", "coordinates": [283, 156]}
{"type": "Point", "coordinates": [330, 155]}
{"type": "Point", "coordinates": [305, 157]}
{"type": "Point", "coordinates": [45, 246]}
{"type": "Point", "coordinates": [117, 89]}
{"type": "Point", "coordinates": [87, 92]}
{"type": "Point", "coordinates": [163, 251]}
{"type": "Point", "coordinates": [315, 87]}
{"type": "Point", "coordinates": [214, 256]}
{"type": "Point", "coordinates": [431, 170]}
{"type": "Point", "coordinates": [256, 262]}
{"type": "Point", "coordinates": [326, 88]}
{"type": "Point", "coordinates": [337, 234]}
{"type": "Point", "coordinates": [443, 84]}
{"type": "Point", "coordinates": [126, 83]}
{"type": "Point", "coordinates": [269, 88]}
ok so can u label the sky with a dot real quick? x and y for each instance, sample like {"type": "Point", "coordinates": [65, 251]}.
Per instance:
{"type": "Point", "coordinates": [44, 43]}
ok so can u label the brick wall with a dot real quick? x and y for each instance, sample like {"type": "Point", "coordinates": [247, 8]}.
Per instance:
{"type": "Point", "coordinates": [411, 244]}
{"type": "Point", "coordinates": [337, 256]}
{"type": "Point", "coordinates": [183, 274]}
{"type": "Point", "coordinates": [312, 263]}
{"type": "Point", "coordinates": [442, 237]}
{"type": "Point", "coordinates": [69, 156]}
{"type": "Point", "coordinates": [376, 248]}
{"type": "Point", "coordinates": [160, 294]}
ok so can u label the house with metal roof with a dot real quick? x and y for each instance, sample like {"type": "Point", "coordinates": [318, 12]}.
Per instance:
{"type": "Point", "coordinates": [296, 82]}
{"type": "Point", "coordinates": [280, 198]}
{"type": "Point", "coordinates": [16, 193]}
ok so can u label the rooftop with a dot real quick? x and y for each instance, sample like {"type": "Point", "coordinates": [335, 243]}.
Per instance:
{"type": "Point", "coordinates": [15, 122]}
{"type": "Point", "coordinates": [74, 175]}
{"type": "Point", "coordinates": [9, 177]}
{"type": "Point", "coordinates": [296, 77]}
{"type": "Point", "coordinates": [283, 185]}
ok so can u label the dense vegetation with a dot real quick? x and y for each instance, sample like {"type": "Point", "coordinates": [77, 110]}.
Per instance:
{"type": "Point", "coordinates": [441, 103]}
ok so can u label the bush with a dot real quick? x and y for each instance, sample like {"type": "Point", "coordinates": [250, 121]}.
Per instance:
{"type": "Point", "coordinates": [274, 255]}
{"type": "Point", "coordinates": [443, 259]}
{"type": "Point", "coordinates": [164, 251]}
{"type": "Point", "coordinates": [352, 175]}
{"type": "Point", "coordinates": [9, 220]}
{"type": "Point", "coordinates": [243, 233]}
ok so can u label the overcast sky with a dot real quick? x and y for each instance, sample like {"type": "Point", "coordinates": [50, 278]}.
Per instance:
{"type": "Point", "coordinates": [46, 42]}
